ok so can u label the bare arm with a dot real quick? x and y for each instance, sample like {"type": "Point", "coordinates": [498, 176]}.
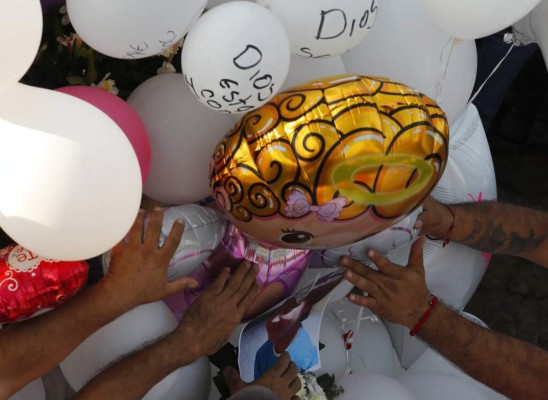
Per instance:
{"type": "Point", "coordinates": [204, 329]}
{"type": "Point", "coordinates": [492, 227]}
{"type": "Point", "coordinates": [138, 274]}
{"type": "Point", "coordinates": [508, 365]}
{"type": "Point", "coordinates": [511, 366]}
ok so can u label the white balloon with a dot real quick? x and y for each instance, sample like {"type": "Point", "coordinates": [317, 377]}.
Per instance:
{"type": "Point", "coordinates": [533, 28]}
{"type": "Point", "coordinates": [215, 3]}
{"type": "Point", "coordinates": [431, 361]}
{"type": "Point", "coordinates": [236, 57]}
{"type": "Point", "coordinates": [72, 179]}
{"type": "Point", "coordinates": [435, 386]}
{"type": "Point", "coordinates": [183, 135]}
{"type": "Point", "coordinates": [371, 349]}
{"type": "Point", "coordinates": [408, 47]}
{"type": "Point", "coordinates": [204, 230]}
{"type": "Point", "coordinates": [324, 28]}
{"type": "Point", "coordinates": [385, 242]}
{"type": "Point", "coordinates": [33, 391]}
{"type": "Point", "coordinates": [122, 336]}
{"type": "Point", "coordinates": [20, 35]}
{"type": "Point", "coordinates": [56, 385]}
{"type": "Point", "coordinates": [132, 29]}
{"type": "Point", "coordinates": [408, 348]}
{"type": "Point", "coordinates": [333, 357]}
{"type": "Point", "coordinates": [366, 386]}
{"type": "Point", "coordinates": [453, 272]}
{"type": "Point", "coordinates": [191, 382]}
{"type": "Point", "coordinates": [302, 69]}
{"type": "Point", "coordinates": [471, 19]}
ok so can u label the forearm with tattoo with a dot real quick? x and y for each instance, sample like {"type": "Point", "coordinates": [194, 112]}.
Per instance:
{"type": "Point", "coordinates": [514, 368]}
{"type": "Point", "coordinates": [503, 228]}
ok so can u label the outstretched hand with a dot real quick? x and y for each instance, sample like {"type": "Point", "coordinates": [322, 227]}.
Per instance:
{"type": "Point", "coordinates": [282, 378]}
{"type": "Point", "coordinates": [394, 293]}
{"type": "Point", "coordinates": [212, 318]}
{"type": "Point", "coordinates": [138, 268]}
{"type": "Point", "coordinates": [435, 218]}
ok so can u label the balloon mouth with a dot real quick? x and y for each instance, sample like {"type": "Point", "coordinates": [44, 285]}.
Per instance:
{"type": "Point", "coordinates": [344, 174]}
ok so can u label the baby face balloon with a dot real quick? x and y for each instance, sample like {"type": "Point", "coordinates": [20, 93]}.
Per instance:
{"type": "Point", "coordinates": [330, 162]}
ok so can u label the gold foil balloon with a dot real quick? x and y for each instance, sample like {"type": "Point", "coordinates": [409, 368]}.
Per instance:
{"type": "Point", "coordinates": [330, 162]}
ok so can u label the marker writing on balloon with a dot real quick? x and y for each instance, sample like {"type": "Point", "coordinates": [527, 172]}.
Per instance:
{"type": "Point", "coordinates": [138, 51]}
{"type": "Point", "coordinates": [168, 42]}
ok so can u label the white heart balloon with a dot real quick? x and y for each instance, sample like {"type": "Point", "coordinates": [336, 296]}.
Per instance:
{"type": "Point", "coordinates": [132, 29]}
{"type": "Point", "coordinates": [71, 179]}
{"type": "Point", "coordinates": [20, 35]}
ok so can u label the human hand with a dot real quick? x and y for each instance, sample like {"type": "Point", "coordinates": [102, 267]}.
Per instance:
{"type": "Point", "coordinates": [282, 378]}
{"type": "Point", "coordinates": [435, 219]}
{"type": "Point", "coordinates": [211, 319]}
{"type": "Point", "coordinates": [138, 267]}
{"type": "Point", "coordinates": [395, 294]}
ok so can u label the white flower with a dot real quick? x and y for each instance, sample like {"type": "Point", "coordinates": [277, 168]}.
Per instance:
{"type": "Point", "coordinates": [166, 68]}
{"type": "Point", "coordinates": [65, 20]}
{"type": "Point", "coordinates": [108, 84]}
{"type": "Point", "coordinates": [310, 389]}
{"type": "Point", "coordinates": [172, 50]}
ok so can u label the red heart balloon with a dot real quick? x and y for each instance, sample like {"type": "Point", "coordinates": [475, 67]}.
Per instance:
{"type": "Point", "coordinates": [31, 285]}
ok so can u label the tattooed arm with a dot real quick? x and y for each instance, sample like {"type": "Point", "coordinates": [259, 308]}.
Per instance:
{"type": "Point", "coordinates": [490, 226]}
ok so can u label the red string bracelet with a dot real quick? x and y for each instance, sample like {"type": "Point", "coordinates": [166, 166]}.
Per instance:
{"type": "Point", "coordinates": [447, 237]}
{"type": "Point", "coordinates": [432, 303]}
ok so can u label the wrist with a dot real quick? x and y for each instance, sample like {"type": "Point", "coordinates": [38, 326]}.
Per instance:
{"type": "Point", "coordinates": [117, 296]}
{"type": "Point", "coordinates": [432, 303]}
{"type": "Point", "coordinates": [444, 230]}
{"type": "Point", "coordinates": [187, 340]}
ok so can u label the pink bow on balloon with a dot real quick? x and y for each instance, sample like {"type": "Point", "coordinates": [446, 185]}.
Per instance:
{"type": "Point", "coordinates": [298, 205]}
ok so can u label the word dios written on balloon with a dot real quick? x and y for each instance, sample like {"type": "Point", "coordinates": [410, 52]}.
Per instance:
{"type": "Point", "coordinates": [335, 24]}
{"type": "Point", "coordinates": [323, 28]}
{"type": "Point", "coordinates": [247, 86]}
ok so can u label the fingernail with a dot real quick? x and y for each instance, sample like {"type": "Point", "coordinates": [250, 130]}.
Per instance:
{"type": "Point", "coordinates": [351, 297]}
{"type": "Point", "coordinates": [256, 267]}
{"type": "Point", "coordinates": [348, 274]}
{"type": "Point", "coordinates": [370, 253]}
{"type": "Point", "coordinates": [158, 209]}
{"type": "Point", "coordinates": [344, 261]}
{"type": "Point", "coordinates": [179, 221]}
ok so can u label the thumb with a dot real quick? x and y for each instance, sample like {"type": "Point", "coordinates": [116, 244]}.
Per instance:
{"type": "Point", "coordinates": [416, 257]}
{"type": "Point", "coordinates": [181, 284]}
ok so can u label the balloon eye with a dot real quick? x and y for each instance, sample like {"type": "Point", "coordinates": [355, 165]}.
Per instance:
{"type": "Point", "coordinates": [292, 236]}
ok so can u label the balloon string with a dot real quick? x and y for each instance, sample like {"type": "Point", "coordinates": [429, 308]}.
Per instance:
{"type": "Point", "coordinates": [356, 332]}
{"type": "Point", "coordinates": [491, 74]}
{"type": "Point", "coordinates": [444, 68]}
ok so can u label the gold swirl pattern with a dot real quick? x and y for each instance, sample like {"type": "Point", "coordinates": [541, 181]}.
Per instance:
{"type": "Point", "coordinates": [330, 162]}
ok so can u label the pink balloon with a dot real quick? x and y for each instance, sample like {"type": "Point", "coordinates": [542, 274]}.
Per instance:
{"type": "Point", "coordinates": [123, 114]}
